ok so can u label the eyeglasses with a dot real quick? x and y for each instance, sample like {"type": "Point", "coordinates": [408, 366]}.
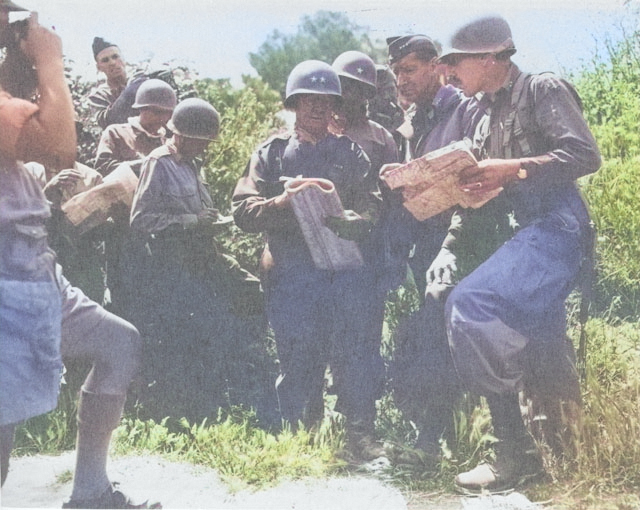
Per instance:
{"type": "Point", "coordinates": [455, 58]}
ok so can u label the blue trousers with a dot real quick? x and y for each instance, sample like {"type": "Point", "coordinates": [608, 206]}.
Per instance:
{"type": "Point", "coordinates": [322, 318]}
{"type": "Point", "coordinates": [506, 319]}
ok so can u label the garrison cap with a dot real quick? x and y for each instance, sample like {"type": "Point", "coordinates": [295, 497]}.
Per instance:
{"type": "Point", "coordinates": [488, 34]}
{"type": "Point", "coordinates": [10, 6]}
{"type": "Point", "coordinates": [100, 44]}
{"type": "Point", "coordinates": [401, 46]}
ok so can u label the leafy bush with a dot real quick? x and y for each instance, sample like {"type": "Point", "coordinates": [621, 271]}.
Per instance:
{"type": "Point", "coordinates": [612, 194]}
{"type": "Point", "coordinates": [249, 117]}
{"type": "Point", "coordinates": [610, 90]}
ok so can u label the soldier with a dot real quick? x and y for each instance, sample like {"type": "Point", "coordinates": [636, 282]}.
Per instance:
{"type": "Point", "coordinates": [358, 78]}
{"type": "Point", "coordinates": [384, 107]}
{"type": "Point", "coordinates": [440, 115]}
{"type": "Point", "coordinates": [506, 320]}
{"type": "Point", "coordinates": [129, 143]}
{"type": "Point", "coordinates": [193, 304]}
{"type": "Point", "coordinates": [307, 307]}
{"type": "Point", "coordinates": [422, 376]}
{"type": "Point", "coordinates": [112, 100]}
{"type": "Point", "coordinates": [133, 140]}
{"type": "Point", "coordinates": [42, 317]}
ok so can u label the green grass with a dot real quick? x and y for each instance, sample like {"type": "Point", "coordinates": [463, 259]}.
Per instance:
{"type": "Point", "coordinates": [602, 463]}
{"type": "Point", "coordinates": [243, 454]}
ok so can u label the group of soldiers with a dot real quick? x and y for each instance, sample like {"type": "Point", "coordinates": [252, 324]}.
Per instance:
{"type": "Point", "coordinates": [493, 280]}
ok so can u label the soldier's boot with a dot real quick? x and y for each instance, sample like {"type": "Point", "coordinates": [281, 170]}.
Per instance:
{"type": "Point", "coordinates": [361, 443]}
{"type": "Point", "coordinates": [98, 416]}
{"type": "Point", "coordinates": [437, 425]}
{"type": "Point", "coordinates": [517, 463]}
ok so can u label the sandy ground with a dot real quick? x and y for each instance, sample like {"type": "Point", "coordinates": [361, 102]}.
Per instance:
{"type": "Point", "coordinates": [44, 482]}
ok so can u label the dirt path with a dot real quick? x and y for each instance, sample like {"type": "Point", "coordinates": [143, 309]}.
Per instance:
{"type": "Point", "coordinates": [44, 482]}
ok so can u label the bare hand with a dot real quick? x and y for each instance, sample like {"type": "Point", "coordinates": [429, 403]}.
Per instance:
{"type": "Point", "coordinates": [282, 201]}
{"type": "Point", "coordinates": [490, 174]}
{"type": "Point", "coordinates": [41, 46]}
{"type": "Point", "coordinates": [65, 179]}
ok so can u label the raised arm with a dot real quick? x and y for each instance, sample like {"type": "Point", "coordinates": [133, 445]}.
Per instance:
{"type": "Point", "coordinates": [48, 136]}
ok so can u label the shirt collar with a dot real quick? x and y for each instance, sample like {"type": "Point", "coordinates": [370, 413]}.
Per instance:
{"type": "Point", "coordinates": [304, 135]}
{"type": "Point", "coordinates": [135, 123]}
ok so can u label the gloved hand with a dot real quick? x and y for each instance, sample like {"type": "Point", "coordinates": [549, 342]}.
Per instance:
{"type": "Point", "coordinates": [443, 268]}
{"type": "Point", "coordinates": [351, 227]}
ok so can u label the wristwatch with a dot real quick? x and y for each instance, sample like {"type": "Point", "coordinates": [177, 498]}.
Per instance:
{"type": "Point", "coordinates": [522, 173]}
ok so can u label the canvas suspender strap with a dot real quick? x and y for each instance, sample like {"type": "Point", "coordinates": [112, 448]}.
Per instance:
{"type": "Point", "coordinates": [513, 123]}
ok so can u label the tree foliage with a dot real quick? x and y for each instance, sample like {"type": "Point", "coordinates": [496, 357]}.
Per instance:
{"type": "Point", "coordinates": [610, 90]}
{"type": "Point", "coordinates": [323, 36]}
{"type": "Point", "coordinates": [248, 118]}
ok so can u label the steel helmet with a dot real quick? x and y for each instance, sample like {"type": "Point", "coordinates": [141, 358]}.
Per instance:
{"type": "Point", "coordinates": [312, 77]}
{"type": "Point", "coordinates": [357, 66]}
{"type": "Point", "coordinates": [195, 118]}
{"type": "Point", "coordinates": [156, 93]}
{"type": "Point", "coordinates": [489, 34]}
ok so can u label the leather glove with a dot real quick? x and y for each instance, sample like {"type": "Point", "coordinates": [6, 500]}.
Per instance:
{"type": "Point", "coordinates": [351, 227]}
{"type": "Point", "coordinates": [443, 269]}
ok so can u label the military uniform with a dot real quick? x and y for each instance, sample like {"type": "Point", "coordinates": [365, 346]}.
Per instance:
{"type": "Point", "coordinates": [183, 294]}
{"type": "Point", "coordinates": [128, 142]}
{"type": "Point", "coordinates": [307, 307]}
{"type": "Point", "coordinates": [449, 118]}
{"type": "Point", "coordinates": [525, 282]}
{"type": "Point", "coordinates": [506, 319]}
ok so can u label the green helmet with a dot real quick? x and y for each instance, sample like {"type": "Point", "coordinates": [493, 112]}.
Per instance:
{"type": "Point", "coordinates": [489, 34]}
{"type": "Point", "coordinates": [312, 77]}
{"type": "Point", "coordinates": [357, 66]}
{"type": "Point", "coordinates": [156, 93]}
{"type": "Point", "coordinates": [195, 118]}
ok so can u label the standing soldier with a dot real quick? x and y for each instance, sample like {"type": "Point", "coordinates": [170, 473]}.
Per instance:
{"type": "Point", "coordinates": [307, 307]}
{"type": "Point", "coordinates": [129, 143]}
{"type": "Point", "coordinates": [440, 115]}
{"type": "Point", "coordinates": [506, 320]}
{"type": "Point", "coordinates": [112, 100]}
{"type": "Point", "coordinates": [422, 376]}
{"type": "Point", "coordinates": [136, 138]}
{"type": "Point", "coordinates": [383, 256]}
{"type": "Point", "coordinates": [194, 305]}
{"type": "Point", "coordinates": [42, 317]}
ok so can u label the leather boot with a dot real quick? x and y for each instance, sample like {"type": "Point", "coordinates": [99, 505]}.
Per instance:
{"type": "Point", "coordinates": [517, 463]}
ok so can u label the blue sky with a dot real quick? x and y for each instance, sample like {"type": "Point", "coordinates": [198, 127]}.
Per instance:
{"type": "Point", "coordinates": [215, 37]}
